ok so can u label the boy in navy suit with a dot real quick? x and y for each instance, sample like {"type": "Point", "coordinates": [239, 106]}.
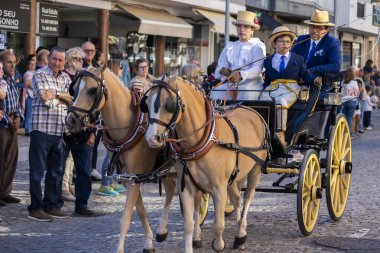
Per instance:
{"type": "Point", "coordinates": [284, 71]}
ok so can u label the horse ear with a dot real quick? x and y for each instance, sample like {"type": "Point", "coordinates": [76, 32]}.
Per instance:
{"type": "Point", "coordinates": [143, 105]}
{"type": "Point", "coordinates": [103, 67]}
{"type": "Point", "coordinates": [171, 104]}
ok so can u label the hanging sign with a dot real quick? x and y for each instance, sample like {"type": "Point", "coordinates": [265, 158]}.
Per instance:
{"type": "Point", "coordinates": [15, 15]}
{"type": "Point", "coordinates": [48, 19]}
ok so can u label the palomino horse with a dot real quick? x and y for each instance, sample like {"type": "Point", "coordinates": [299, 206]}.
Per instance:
{"type": "Point", "coordinates": [98, 89]}
{"type": "Point", "coordinates": [210, 148]}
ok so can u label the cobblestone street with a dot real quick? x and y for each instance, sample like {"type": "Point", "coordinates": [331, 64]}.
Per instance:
{"type": "Point", "coordinates": [272, 221]}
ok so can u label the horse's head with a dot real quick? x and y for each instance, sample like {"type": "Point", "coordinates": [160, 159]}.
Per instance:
{"type": "Point", "coordinates": [90, 94]}
{"type": "Point", "coordinates": [165, 107]}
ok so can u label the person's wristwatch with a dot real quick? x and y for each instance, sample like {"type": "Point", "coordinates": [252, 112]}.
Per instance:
{"type": "Point", "coordinates": [57, 94]}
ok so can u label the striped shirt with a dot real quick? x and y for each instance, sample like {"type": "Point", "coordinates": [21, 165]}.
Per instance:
{"type": "Point", "coordinates": [48, 117]}
{"type": "Point", "coordinates": [11, 101]}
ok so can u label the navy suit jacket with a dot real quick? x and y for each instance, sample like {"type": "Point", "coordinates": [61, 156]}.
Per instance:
{"type": "Point", "coordinates": [327, 57]}
{"type": "Point", "coordinates": [295, 70]}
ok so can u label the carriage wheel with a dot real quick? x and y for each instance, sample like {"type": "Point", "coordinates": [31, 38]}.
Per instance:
{"type": "Point", "coordinates": [229, 209]}
{"type": "Point", "coordinates": [203, 210]}
{"type": "Point", "coordinates": [309, 192]}
{"type": "Point", "coordinates": [338, 168]}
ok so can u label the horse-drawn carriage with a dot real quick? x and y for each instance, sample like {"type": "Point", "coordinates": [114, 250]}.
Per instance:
{"type": "Point", "coordinates": [321, 135]}
{"type": "Point", "coordinates": [215, 150]}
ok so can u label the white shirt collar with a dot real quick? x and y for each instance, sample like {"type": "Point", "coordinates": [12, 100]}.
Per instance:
{"type": "Point", "coordinates": [287, 55]}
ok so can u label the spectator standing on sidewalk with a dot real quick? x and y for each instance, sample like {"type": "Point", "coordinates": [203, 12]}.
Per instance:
{"type": "Point", "coordinates": [49, 108]}
{"type": "Point", "coordinates": [90, 59]}
{"type": "Point", "coordinates": [28, 91]}
{"type": "Point", "coordinates": [80, 145]}
{"type": "Point", "coordinates": [3, 91]}
{"type": "Point", "coordinates": [8, 129]}
{"type": "Point", "coordinates": [42, 58]}
{"type": "Point", "coordinates": [143, 80]}
{"type": "Point", "coordinates": [368, 104]}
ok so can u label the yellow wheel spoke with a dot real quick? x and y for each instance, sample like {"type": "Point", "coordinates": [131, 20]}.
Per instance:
{"type": "Point", "coordinates": [315, 179]}
{"type": "Point", "coordinates": [310, 212]}
{"type": "Point", "coordinates": [305, 205]}
{"type": "Point", "coordinates": [346, 151]}
{"type": "Point", "coordinates": [336, 191]}
{"type": "Point", "coordinates": [344, 143]}
{"type": "Point", "coordinates": [336, 160]}
{"type": "Point", "coordinates": [344, 182]}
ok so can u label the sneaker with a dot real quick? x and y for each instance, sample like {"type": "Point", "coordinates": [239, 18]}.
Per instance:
{"type": "Point", "coordinates": [67, 196]}
{"type": "Point", "coordinates": [95, 175]}
{"type": "Point", "coordinates": [368, 128]}
{"type": "Point", "coordinates": [118, 188]}
{"type": "Point", "coordinates": [40, 215]}
{"type": "Point", "coordinates": [3, 203]}
{"type": "Point", "coordinates": [361, 131]}
{"type": "Point", "coordinates": [57, 213]}
{"type": "Point", "coordinates": [107, 191]}
{"type": "Point", "coordinates": [11, 199]}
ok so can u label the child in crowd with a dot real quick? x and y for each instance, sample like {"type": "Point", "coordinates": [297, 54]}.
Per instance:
{"type": "Point", "coordinates": [368, 104]}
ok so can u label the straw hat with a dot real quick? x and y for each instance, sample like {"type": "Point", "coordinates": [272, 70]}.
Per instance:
{"type": "Point", "coordinates": [320, 18]}
{"type": "Point", "coordinates": [281, 31]}
{"type": "Point", "coordinates": [247, 18]}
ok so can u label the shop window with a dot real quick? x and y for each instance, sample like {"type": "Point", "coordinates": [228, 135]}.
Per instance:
{"type": "Point", "coordinates": [356, 54]}
{"type": "Point", "coordinates": [347, 53]}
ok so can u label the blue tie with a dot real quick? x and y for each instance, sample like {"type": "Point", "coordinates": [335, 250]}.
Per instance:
{"type": "Point", "coordinates": [311, 52]}
{"type": "Point", "coordinates": [282, 64]}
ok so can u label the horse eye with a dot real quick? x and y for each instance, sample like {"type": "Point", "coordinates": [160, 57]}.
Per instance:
{"type": "Point", "coordinates": [92, 91]}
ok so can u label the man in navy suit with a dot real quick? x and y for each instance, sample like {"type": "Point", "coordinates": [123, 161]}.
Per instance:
{"type": "Point", "coordinates": [321, 51]}
{"type": "Point", "coordinates": [284, 71]}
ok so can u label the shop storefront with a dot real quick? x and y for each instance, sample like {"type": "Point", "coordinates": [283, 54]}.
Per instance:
{"type": "Point", "coordinates": [14, 24]}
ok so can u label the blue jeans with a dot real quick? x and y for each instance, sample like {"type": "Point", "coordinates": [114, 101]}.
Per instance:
{"type": "Point", "coordinates": [105, 180]}
{"type": "Point", "coordinates": [348, 109]}
{"type": "Point", "coordinates": [28, 114]}
{"type": "Point", "coordinates": [82, 160]}
{"type": "Point", "coordinates": [45, 155]}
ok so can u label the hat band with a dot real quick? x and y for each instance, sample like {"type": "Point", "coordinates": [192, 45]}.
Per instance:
{"type": "Point", "coordinates": [320, 22]}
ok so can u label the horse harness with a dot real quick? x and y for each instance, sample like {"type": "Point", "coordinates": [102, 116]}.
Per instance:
{"type": "Point", "coordinates": [134, 135]}
{"type": "Point", "coordinates": [92, 114]}
{"type": "Point", "coordinates": [209, 138]}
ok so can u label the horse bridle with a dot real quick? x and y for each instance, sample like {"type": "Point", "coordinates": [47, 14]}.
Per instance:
{"type": "Point", "coordinates": [179, 106]}
{"type": "Point", "coordinates": [92, 114]}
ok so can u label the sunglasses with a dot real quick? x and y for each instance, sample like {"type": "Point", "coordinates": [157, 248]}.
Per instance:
{"type": "Point", "coordinates": [89, 50]}
{"type": "Point", "coordinates": [77, 59]}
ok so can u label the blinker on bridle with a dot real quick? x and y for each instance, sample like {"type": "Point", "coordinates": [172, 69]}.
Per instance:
{"type": "Point", "coordinates": [179, 105]}
{"type": "Point", "coordinates": [92, 114]}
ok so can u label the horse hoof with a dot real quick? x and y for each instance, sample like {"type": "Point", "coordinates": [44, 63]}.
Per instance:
{"type": "Point", "coordinates": [148, 251]}
{"type": "Point", "coordinates": [212, 244]}
{"type": "Point", "coordinates": [161, 237]}
{"type": "Point", "coordinates": [239, 241]}
{"type": "Point", "coordinates": [197, 244]}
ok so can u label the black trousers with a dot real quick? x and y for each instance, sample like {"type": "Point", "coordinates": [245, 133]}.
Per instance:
{"type": "Point", "coordinates": [367, 118]}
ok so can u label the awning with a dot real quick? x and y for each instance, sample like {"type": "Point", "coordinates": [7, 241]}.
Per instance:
{"type": "Point", "coordinates": [162, 23]}
{"type": "Point", "coordinates": [218, 19]}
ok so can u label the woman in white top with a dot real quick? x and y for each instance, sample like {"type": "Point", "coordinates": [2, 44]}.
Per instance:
{"type": "Point", "coordinates": [238, 54]}
{"type": "Point", "coordinates": [350, 94]}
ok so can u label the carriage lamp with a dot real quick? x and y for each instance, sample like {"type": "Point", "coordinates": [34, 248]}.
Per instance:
{"type": "Point", "coordinates": [335, 97]}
